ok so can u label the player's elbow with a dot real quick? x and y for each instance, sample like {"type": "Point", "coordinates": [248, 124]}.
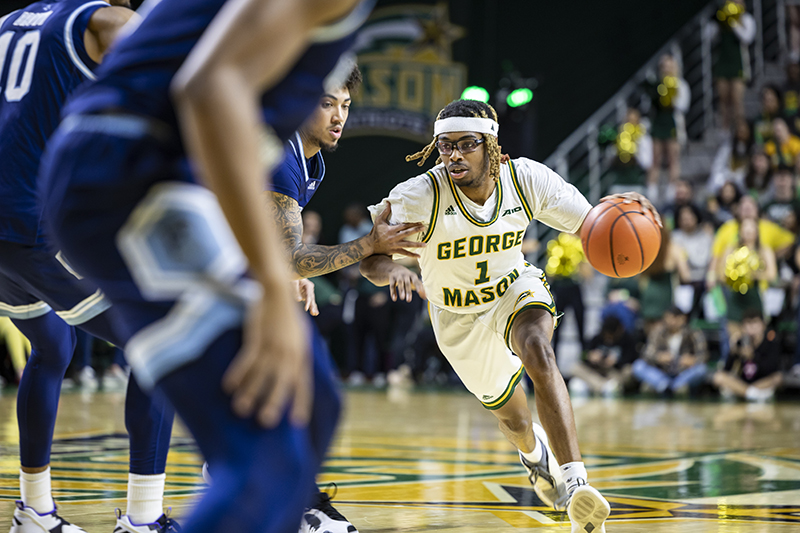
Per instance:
{"type": "Point", "coordinates": [191, 85]}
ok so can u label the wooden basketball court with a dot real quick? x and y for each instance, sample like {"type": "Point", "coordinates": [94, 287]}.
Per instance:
{"type": "Point", "coordinates": [432, 461]}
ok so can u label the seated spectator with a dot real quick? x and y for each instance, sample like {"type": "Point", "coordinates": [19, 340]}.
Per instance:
{"type": "Point", "coordinates": [684, 195]}
{"type": "Point", "coordinates": [732, 159]}
{"type": "Point", "coordinates": [674, 358]}
{"type": "Point", "coordinates": [782, 204]}
{"type": "Point", "coordinates": [695, 244]}
{"type": "Point", "coordinates": [759, 174]}
{"type": "Point", "coordinates": [784, 148]}
{"type": "Point", "coordinates": [623, 304]}
{"type": "Point", "coordinates": [720, 207]}
{"type": "Point", "coordinates": [606, 367]}
{"type": "Point", "coordinates": [791, 91]}
{"type": "Point", "coordinates": [770, 110]}
{"type": "Point", "coordinates": [752, 370]}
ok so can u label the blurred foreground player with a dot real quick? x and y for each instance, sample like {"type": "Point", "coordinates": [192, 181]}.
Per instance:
{"type": "Point", "coordinates": [200, 310]}
{"type": "Point", "coordinates": [492, 312]}
{"type": "Point", "coordinates": [293, 184]}
{"type": "Point", "coordinates": [46, 50]}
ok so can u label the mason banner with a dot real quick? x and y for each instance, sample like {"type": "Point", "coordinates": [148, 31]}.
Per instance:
{"type": "Point", "coordinates": [405, 55]}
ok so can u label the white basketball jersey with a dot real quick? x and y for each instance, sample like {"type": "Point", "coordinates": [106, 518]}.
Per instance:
{"type": "Point", "coordinates": [470, 262]}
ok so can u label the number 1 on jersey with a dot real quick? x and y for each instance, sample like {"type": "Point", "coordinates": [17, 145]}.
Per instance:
{"type": "Point", "coordinates": [483, 268]}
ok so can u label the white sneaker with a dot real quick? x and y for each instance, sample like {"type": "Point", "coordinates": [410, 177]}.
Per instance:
{"type": "Point", "coordinates": [356, 379]}
{"type": "Point", "coordinates": [27, 520]}
{"type": "Point", "coordinates": [588, 510]}
{"type": "Point", "coordinates": [164, 524]}
{"type": "Point", "coordinates": [545, 476]}
{"type": "Point", "coordinates": [324, 518]}
{"type": "Point", "coordinates": [578, 387]}
{"type": "Point", "coordinates": [115, 378]}
{"type": "Point", "coordinates": [611, 388]}
{"type": "Point", "coordinates": [88, 378]}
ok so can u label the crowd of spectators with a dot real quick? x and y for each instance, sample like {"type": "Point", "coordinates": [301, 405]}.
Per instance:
{"type": "Point", "coordinates": [717, 312]}
{"type": "Point", "coordinates": [718, 309]}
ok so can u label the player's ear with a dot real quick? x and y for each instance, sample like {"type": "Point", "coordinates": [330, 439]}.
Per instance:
{"type": "Point", "coordinates": [504, 158]}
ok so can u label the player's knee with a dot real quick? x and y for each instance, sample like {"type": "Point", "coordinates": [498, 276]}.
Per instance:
{"type": "Point", "coordinates": [518, 424]}
{"type": "Point", "coordinates": [537, 354]}
{"type": "Point", "coordinates": [55, 348]}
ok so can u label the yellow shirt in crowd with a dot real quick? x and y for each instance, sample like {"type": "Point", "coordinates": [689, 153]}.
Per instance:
{"type": "Point", "coordinates": [769, 233]}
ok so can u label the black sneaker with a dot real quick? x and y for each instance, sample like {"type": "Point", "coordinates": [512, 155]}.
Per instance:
{"type": "Point", "coordinates": [322, 517]}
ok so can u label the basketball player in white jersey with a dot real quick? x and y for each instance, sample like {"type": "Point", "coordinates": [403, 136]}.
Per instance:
{"type": "Point", "coordinates": [492, 312]}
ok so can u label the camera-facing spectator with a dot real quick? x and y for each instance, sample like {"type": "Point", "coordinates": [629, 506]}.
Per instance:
{"type": "Point", "coordinates": [732, 161]}
{"type": "Point", "coordinates": [770, 235]}
{"type": "Point", "coordinates": [752, 370]}
{"type": "Point", "coordinates": [721, 207]}
{"type": "Point", "coordinates": [791, 96]}
{"type": "Point", "coordinates": [675, 356]}
{"type": "Point", "coordinates": [606, 366]}
{"type": "Point", "coordinates": [695, 243]}
{"type": "Point", "coordinates": [759, 173]}
{"type": "Point", "coordinates": [781, 205]}
{"type": "Point", "coordinates": [671, 97]}
{"type": "Point", "coordinates": [736, 30]}
{"type": "Point", "coordinates": [784, 148]}
{"type": "Point", "coordinates": [312, 226]}
{"type": "Point", "coordinates": [770, 110]}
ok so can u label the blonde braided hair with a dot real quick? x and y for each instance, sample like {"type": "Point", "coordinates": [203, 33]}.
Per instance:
{"type": "Point", "coordinates": [466, 108]}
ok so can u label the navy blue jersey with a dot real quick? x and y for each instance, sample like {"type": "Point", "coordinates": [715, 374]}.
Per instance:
{"type": "Point", "coordinates": [298, 177]}
{"type": "Point", "coordinates": [136, 75]}
{"type": "Point", "coordinates": [42, 60]}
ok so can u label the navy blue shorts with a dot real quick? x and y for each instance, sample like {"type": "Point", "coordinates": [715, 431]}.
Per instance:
{"type": "Point", "coordinates": [155, 242]}
{"type": "Point", "coordinates": [34, 280]}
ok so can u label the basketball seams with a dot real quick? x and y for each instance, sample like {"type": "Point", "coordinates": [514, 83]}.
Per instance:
{"type": "Point", "coordinates": [635, 232]}
{"type": "Point", "coordinates": [641, 212]}
{"type": "Point", "coordinates": [624, 215]}
{"type": "Point", "coordinates": [610, 226]}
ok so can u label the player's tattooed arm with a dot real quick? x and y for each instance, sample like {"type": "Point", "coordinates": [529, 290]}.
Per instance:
{"type": "Point", "coordinates": [311, 260]}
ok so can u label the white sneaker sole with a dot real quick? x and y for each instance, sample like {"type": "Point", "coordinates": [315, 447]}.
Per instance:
{"type": "Point", "coordinates": [588, 510]}
{"type": "Point", "coordinates": [550, 496]}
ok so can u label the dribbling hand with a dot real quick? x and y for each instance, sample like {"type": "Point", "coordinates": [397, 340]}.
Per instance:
{"type": "Point", "coordinates": [388, 239]}
{"type": "Point", "coordinates": [630, 197]}
{"type": "Point", "coordinates": [273, 369]}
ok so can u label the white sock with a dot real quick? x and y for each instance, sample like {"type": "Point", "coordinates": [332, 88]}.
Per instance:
{"type": "Point", "coordinates": [36, 492]}
{"type": "Point", "coordinates": [574, 475]}
{"type": "Point", "coordinates": [145, 498]}
{"type": "Point", "coordinates": [535, 455]}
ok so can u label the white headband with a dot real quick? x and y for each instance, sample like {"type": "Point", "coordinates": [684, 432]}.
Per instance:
{"type": "Point", "coordinates": [480, 125]}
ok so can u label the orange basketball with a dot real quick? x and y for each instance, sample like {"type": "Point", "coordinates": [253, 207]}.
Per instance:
{"type": "Point", "coordinates": [620, 240]}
